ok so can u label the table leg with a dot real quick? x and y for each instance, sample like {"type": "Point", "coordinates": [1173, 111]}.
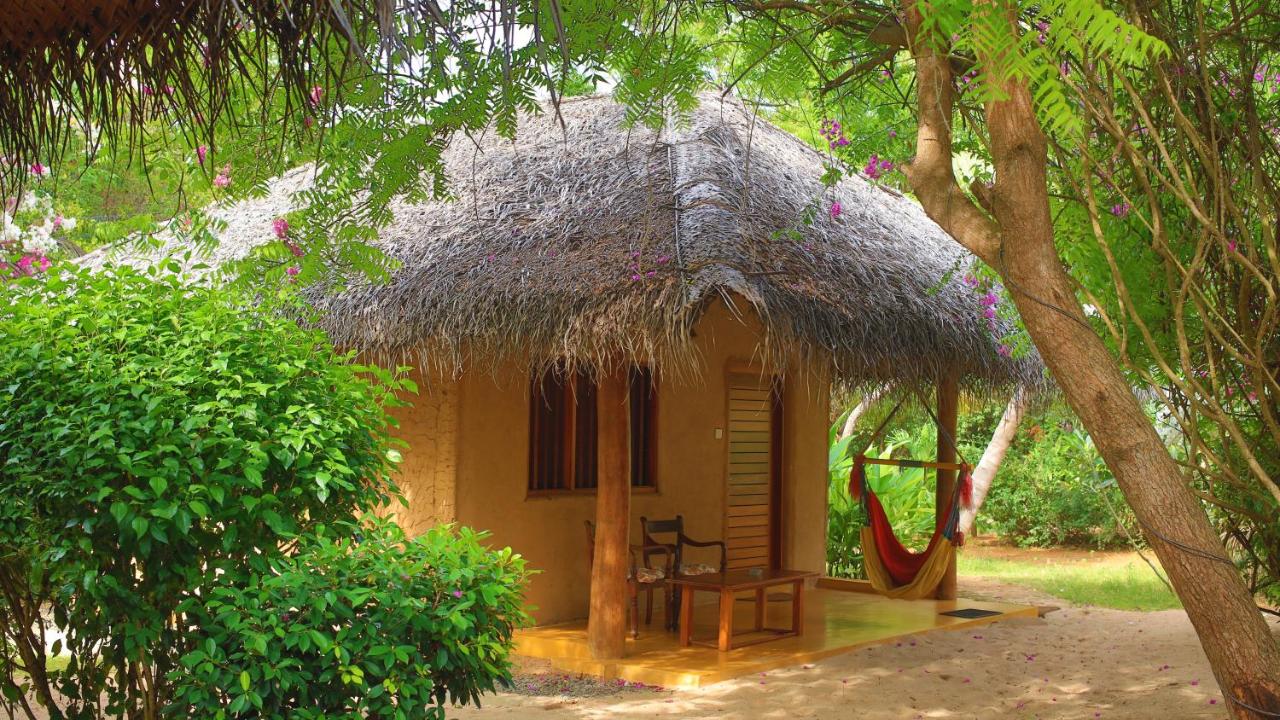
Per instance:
{"type": "Point", "coordinates": [759, 609]}
{"type": "Point", "coordinates": [686, 616]}
{"type": "Point", "coordinates": [797, 607]}
{"type": "Point", "coordinates": [726, 621]}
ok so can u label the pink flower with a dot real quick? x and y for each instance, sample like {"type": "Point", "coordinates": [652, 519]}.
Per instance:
{"type": "Point", "coordinates": [201, 152]}
{"type": "Point", "coordinates": [1120, 210]}
{"type": "Point", "coordinates": [224, 178]}
{"type": "Point", "coordinates": [147, 91]}
{"type": "Point", "coordinates": [307, 121]}
{"type": "Point", "coordinates": [43, 263]}
{"type": "Point", "coordinates": [39, 170]}
{"type": "Point", "coordinates": [457, 593]}
{"type": "Point", "coordinates": [57, 221]}
{"type": "Point", "coordinates": [836, 209]}
{"type": "Point", "coordinates": [663, 259]}
{"type": "Point", "coordinates": [877, 167]}
{"type": "Point", "coordinates": [281, 227]}
{"type": "Point", "coordinates": [317, 92]}
{"type": "Point", "coordinates": [1232, 245]}
{"type": "Point", "coordinates": [1005, 351]}
{"type": "Point", "coordinates": [291, 270]}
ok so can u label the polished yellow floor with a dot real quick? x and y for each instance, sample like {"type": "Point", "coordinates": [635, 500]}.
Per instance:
{"type": "Point", "coordinates": [836, 621]}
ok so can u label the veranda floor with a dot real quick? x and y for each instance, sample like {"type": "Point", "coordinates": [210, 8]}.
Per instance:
{"type": "Point", "coordinates": [836, 621]}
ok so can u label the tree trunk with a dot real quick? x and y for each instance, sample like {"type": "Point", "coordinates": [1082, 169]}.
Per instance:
{"type": "Point", "coordinates": [865, 404]}
{"type": "Point", "coordinates": [985, 472]}
{"type": "Point", "coordinates": [948, 420]}
{"type": "Point", "coordinates": [607, 618]}
{"type": "Point", "coordinates": [1018, 243]}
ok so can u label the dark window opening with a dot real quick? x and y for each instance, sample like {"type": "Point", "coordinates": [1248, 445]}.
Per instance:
{"type": "Point", "coordinates": [644, 431]}
{"type": "Point", "coordinates": [564, 430]}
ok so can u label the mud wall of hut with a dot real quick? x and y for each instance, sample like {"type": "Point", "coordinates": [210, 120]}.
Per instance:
{"type": "Point", "coordinates": [492, 468]}
{"type": "Point", "coordinates": [428, 470]}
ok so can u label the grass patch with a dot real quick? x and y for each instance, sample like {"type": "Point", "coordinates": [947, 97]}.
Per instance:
{"type": "Point", "coordinates": [1128, 586]}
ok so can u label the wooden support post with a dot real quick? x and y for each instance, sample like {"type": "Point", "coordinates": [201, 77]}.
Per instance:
{"type": "Point", "coordinates": [607, 622]}
{"type": "Point", "coordinates": [948, 415]}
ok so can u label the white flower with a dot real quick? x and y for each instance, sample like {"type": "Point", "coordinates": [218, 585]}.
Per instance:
{"type": "Point", "coordinates": [37, 240]}
{"type": "Point", "coordinates": [9, 233]}
{"type": "Point", "coordinates": [68, 224]}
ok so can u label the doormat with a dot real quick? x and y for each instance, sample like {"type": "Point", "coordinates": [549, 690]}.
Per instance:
{"type": "Point", "coordinates": [971, 613]}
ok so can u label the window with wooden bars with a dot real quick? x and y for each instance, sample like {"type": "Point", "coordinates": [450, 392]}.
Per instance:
{"type": "Point", "coordinates": [644, 433]}
{"type": "Point", "coordinates": [564, 431]}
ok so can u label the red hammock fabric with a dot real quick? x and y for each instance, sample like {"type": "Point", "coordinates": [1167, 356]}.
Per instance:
{"type": "Point", "coordinates": [902, 564]}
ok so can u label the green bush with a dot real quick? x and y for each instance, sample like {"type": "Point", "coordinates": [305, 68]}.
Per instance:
{"type": "Point", "coordinates": [158, 441]}
{"type": "Point", "coordinates": [378, 627]}
{"type": "Point", "coordinates": [1053, 489]}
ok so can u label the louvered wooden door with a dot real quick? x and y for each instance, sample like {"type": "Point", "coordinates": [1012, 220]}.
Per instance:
{"type": "Point", "coordinates": [751, 527]}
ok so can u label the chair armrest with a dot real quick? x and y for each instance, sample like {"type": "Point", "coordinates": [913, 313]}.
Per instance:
{"type": "Point", "coordinates": [724, 555]}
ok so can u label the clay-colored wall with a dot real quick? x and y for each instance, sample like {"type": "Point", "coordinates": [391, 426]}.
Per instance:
{"type": "Point", "coordinates": [806, 401]}
{"type": "Point", "coordinates": [428, 468]}
{"type": "Point", "coordinates": [492, 469]}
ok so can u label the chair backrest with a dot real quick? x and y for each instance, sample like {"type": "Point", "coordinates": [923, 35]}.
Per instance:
{"type": "Point", "coordinates": [673, 527]}
{"type": "Point", "coordinates": [649, 528]}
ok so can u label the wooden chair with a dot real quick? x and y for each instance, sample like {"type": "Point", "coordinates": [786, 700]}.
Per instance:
{"type": "Point", "coordinates": [674, 529]}
{"type": "Point", "coordinates": [636, 579]}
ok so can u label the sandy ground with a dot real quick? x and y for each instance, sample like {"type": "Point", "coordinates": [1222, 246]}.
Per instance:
{"type": "Point", "coordinates": [1073, 663]}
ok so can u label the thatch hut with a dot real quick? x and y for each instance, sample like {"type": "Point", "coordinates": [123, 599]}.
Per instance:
{"type": "Point", "coordinates": [613, 322]}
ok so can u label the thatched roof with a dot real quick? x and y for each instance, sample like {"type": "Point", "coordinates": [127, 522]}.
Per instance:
{"type": "Point", "coordinates": [537, 254]}
{"type": "Point", "coordinates": [116, 63]}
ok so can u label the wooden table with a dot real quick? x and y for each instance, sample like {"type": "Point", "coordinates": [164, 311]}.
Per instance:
{"type": "Point", "coordinates": [729, 584]}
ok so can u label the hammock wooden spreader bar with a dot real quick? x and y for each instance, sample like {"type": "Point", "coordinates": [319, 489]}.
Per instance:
{"type": "Point", "coordinates": [915, 463]}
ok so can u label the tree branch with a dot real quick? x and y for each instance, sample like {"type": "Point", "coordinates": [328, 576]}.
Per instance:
{"type": "Point", "coordinates": [930, 173]}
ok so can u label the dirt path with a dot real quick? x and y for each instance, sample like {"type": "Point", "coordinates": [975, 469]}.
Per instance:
{"type": "Point", "coordinates": [1073, 663]}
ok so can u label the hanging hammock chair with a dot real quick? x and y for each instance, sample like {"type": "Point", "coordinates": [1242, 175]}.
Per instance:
{"type": "Point", "coordinates": [895, 571]}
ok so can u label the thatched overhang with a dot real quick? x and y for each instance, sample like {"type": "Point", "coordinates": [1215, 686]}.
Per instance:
{"type": "Point", "coordinates": [114, 64]}
{"type": "Point", "coordinates": [537, 255]}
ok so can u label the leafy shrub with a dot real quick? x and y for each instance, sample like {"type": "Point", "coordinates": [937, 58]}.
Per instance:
{"type": "Point", "coordinates": [1053, 489]}
{"type": "Point", "coordinates": [158, 440]}
{"type": "Point", "coordinates": [377, 627]}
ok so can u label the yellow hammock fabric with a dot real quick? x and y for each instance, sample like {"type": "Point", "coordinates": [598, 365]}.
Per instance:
{"type": "Point", "coordinates": [925, 582]}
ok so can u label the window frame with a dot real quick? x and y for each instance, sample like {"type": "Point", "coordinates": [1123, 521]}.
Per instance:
{"type": "Point", "coordinates": [568, 389]}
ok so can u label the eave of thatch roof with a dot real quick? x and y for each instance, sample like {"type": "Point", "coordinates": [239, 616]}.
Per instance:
{"type": "Point", "coordinates": [537, 255]}
{"type": "Point", "coordinates": [114, 64]}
